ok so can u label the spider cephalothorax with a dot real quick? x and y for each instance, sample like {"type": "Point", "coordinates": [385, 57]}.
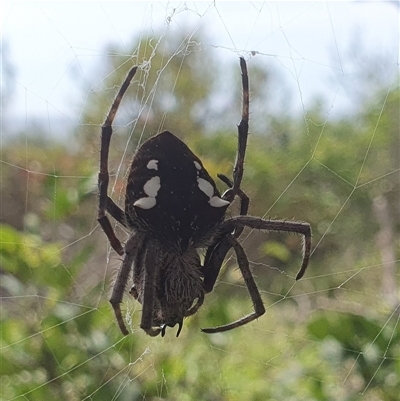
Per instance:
{"type": "Point", "coordinates": [173, 209]}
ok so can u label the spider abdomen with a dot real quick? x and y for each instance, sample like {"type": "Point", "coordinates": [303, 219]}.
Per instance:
{"type": "Point", "coordinates": [171, 194]}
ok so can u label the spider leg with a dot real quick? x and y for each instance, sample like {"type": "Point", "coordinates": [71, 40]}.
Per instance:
{"type": "Point", "coordinates": [216, 254]}
{"type": "Point", "coordinates": [258, 305]}
{"type": "Point", "coordinates": [244, 199]}
{"type": "Point", "coordinates": [213, 261]}
{"type": "Point", "coordinates": [106, 132]}
{"type": "Point", "coordinates": [131, 249]}
{"type": "Point", "coordinates": [116, 212]}
{"type": "Point", "coordinates": [244, 202]}
{"type": "Point", "coordinates": [243, 131]}
{"type": "Point", "coordinates": [278, 226]}
{"type": "Point", "coordinates": [195, 307]}
{"type": "Point", "coordinates": [150, 272]}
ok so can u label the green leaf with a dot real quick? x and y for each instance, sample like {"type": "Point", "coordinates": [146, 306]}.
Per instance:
{"type": "Point", "coordinates": [276, 250]}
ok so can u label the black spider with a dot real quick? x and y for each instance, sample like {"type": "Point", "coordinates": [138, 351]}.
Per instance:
{"type": "Point", "coordinates": [173, 209]}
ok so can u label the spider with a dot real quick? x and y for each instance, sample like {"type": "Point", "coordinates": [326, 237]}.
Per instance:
{"type": "Point", "coordinates": [174, 210]}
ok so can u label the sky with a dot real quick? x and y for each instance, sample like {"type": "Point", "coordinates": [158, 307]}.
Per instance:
{"type": "Point", "coordinates": [54, 47]}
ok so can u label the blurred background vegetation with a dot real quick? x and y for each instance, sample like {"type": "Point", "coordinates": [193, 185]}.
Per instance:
{"type": "Point", "coordinates": [333, 336]}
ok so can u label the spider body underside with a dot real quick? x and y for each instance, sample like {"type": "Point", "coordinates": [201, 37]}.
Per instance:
{"type": "Point", "coordinates": [174, 210]}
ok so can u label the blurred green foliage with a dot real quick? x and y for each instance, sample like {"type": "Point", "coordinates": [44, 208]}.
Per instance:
{"type": "Point", "coordinates": [332, 336]}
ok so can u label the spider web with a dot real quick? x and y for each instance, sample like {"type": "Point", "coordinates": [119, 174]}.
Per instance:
{"type": "Point", "coordinates": [332, 335]}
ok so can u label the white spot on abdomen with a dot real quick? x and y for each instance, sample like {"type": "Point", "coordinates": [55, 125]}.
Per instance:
{"type": "Point", "coordinates": [205, 187]}
{"type": "Point", "coordinates": [208, 189]}
{"type": "Point", "coordinates": [152, 165]}
{"type": "Point", "coordinates": [152, 187]}
{"type": "Point", "coordinates": [197, 165]}
{"type": "Point", "coordinates": [145, 203]}
{"type": "Point", "coordinates": [216, 201]}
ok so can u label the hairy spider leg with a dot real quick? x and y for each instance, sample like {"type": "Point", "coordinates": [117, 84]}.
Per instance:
{"type": "Point", "coordinates": [215, 258]}
{"type": "Point", "coordinates": [243, 131]}
{"type": "Point", "coordinates": [277, 226]}
{"type": "Point", "coordinates": [217, 253]}
{"type": "Point", "coordinates": [116, 212]}
{"type": "Point", "coordinates": [244, 201]}
{"type": "Point", "coordinates": [106, 132]}
{"type": "Point", "coordinates": [258, 305]}
{"type": "Point", "coordinates": [151, 266]}
{"type": "Point", "coordinates": [131, 251]}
